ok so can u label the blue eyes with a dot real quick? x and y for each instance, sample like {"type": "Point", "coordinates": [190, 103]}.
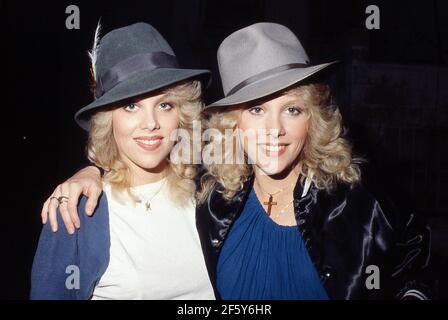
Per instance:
{"type": "Point", "coordinates": [294, 110]}
{"type": "Point", "coordinates": [289, 110]}
{"type": "Point", "coordinates": [165, 106]}
{"type": "Point", "coordinates": [132, 107]}
{"type": "Point", "coordinates": [255, 110]}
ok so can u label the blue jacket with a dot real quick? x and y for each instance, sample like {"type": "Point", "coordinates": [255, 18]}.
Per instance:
{"type": "Point", "coordinates": [59, 256]}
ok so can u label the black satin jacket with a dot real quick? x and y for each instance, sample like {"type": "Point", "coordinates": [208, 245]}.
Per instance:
{"type": "Point", "coordinates": [345, 232]}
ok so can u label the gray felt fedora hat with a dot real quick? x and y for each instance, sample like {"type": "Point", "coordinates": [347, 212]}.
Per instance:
{"type": "Point", "coordinates": [260, 60]}
{"type": "Point", "coordinates": [132, 61]}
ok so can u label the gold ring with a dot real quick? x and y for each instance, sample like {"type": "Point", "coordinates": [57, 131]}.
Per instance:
{"type": "Point", "coordinates": [60, 199]}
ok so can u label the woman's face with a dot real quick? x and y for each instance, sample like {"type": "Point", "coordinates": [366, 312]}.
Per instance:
{"type": "Point", "coordinates": [274, 133]}
{"type": "Point", "coordinates": [142, 131]}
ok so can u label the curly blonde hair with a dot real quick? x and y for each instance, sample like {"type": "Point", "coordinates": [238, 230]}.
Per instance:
{"type": "Point", "coordinates": [102, 148]}
{"type": "Point", "coordinates": [326, 157]}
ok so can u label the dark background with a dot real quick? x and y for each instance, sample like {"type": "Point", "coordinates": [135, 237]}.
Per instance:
{"type": "Point", "coordinates": [391, 86]}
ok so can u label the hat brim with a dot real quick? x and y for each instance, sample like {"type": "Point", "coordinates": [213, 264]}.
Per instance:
{"type": "Point", "coordinates": [268, 85]}
{"type": "Point", "coordinates": [141, 83]}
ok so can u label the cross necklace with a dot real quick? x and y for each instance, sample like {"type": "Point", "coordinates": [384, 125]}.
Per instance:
{"type": "Point", "coordinates": [271, 201]}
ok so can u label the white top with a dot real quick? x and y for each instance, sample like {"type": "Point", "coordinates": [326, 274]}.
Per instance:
{"type": "Point", "coordinates": [154, 253]}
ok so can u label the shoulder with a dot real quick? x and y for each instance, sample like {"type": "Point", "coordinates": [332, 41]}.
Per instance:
{"type": "Point", "coordinates": [100, 212]}
{"type": "Point", "coordinates": [94, 234]}
{"type": "Point", "coordinates": [87, 249]}
{"type": "Point", "coordinates": [355, 202]}
{"type": "Point", "coordinates": [356, 195]}
{"type": "Point", "coordinates": [361, 204]}
{"type": "Point", "coordinates": [62, 237]}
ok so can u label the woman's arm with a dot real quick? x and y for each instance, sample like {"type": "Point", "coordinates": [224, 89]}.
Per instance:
{"type": "Point", "coordinates": [67, 267]}
{"type": "Point", "coordinates": [85, 182]}
{"type": "Point", "coordinates": [55, 253]}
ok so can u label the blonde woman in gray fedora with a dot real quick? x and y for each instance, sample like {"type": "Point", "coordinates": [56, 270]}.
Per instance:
{"type": "Point", "coordinates": [292, 221]}
{"type": "Point", "coordinates": [141, 242]}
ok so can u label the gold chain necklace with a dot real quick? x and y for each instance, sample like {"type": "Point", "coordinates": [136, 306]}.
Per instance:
{"type": "Point", "coordinates": [148, 202]}
{"type": "Point", "coordinates": [283, 210]}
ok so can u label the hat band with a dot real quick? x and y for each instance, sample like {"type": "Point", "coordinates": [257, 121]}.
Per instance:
{"type": "Point", "coordinates": [132, 65]}
{"type": "Point", "coordinates": [265, 74]}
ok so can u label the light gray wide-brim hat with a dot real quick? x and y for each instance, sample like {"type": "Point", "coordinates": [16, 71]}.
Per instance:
{"type": "Point", "coordinates": [131, 61]}
{"type": "Point", "coordinates": [260, 60]}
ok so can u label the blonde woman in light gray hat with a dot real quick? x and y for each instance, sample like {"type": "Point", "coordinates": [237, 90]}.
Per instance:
{"type": "Point", "coordinates": [293, 221]}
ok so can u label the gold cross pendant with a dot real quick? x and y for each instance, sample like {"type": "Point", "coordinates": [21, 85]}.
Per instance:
{"type": "Point", "coordinates": [270, 203]}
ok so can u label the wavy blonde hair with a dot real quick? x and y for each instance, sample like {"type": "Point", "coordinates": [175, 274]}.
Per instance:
{"type": "Point", "coordinates": [326, 157]}
{"type": "Point", "coordinates": [102, 148]}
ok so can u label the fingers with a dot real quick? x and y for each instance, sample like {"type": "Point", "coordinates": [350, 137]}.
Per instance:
{"type": "Point", "coordinates": [52, 207]}
{"type": "Point", "coordinates": [74, 193]}
{"type": "Point", "coordinates": [92, 195]}
{"type": "Point", "coordinates": [63, 209]}
{"type": "Point", "coordinates": [44, 212]}
{"type": "Point", "coordinates": [84, 182]}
